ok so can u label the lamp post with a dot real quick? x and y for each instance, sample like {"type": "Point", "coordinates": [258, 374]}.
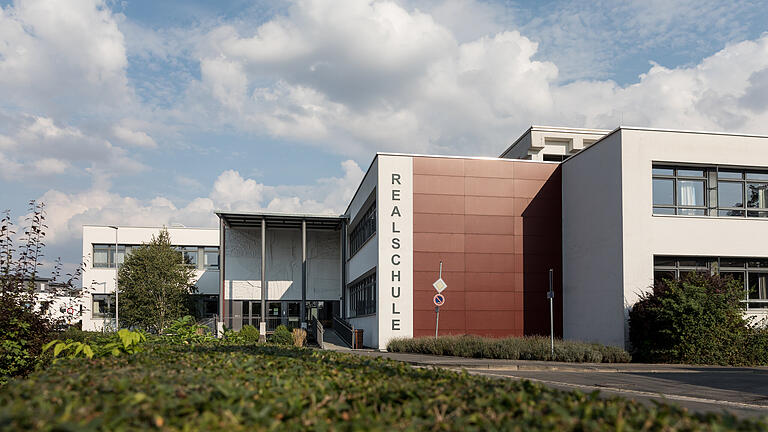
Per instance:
{"type": "Point", "coordinates": [117, 313]}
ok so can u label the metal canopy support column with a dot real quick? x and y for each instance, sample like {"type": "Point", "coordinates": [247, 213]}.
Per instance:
{"type": "Point", "coordinates": [302, 308]}
{"type": "Point", "coordinates": [343, 308]}
{"type": "Point", "coordinates": [222, 280]}
{"type": "Point", "coordinates": [263, 323]}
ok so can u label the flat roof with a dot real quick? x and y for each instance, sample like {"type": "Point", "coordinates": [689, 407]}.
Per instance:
{"type": "Point", "coordinates": [280, 220]}
{"type": "Point", "coordinates": [148, 227]}
{"type": "Point", "coordinates": [650, 129]}
{"type": "Point", "coordinates": [558, 129]}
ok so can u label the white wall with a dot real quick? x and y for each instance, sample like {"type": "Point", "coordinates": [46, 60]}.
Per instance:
{"type": "Point", "coordinates": [243, 264]}
{"type": "Point", "coordinates": [648, 235]}
{"type": "Point", "coordinates": [395, 233]}
{"type": "Point", "coordinates": [592, 262]}
{"type": "Point", "coordinates": [367, 257]}
{"type": "Point", "coordinates": [102, 280]}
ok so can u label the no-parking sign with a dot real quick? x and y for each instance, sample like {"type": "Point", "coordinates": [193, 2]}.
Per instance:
{"type": "Point", "coordinates": [438, 299]}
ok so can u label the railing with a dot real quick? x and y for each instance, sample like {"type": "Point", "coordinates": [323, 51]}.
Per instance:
{"type": "Point", "coordinates": [345, 330]}
{"type": "Point", "coordinates": [316, 331]}
{"type": "Point", "coordinates": [210, 323]}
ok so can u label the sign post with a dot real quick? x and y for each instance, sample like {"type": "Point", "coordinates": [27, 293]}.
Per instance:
{"type": "Point", "coordinates": [551, 297]}
{"type": "Point", "coordinates": [439, 298]}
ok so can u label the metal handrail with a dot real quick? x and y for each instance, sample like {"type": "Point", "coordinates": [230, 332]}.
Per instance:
{"type": "Point", "coordinates": [345, 330]}
{"type": "Point", "coordinates": [317, 330]}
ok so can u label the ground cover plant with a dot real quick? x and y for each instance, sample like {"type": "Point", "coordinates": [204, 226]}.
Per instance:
{"type": "Point", "coordinates": [258, 387]}
{"type": "Point", "coordinates": [513, 348]}
{"type": "Point", "coordinates": [696, 320]}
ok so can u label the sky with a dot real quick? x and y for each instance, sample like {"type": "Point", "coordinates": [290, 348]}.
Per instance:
{"type": "Point", "coordinates": [157, 113]}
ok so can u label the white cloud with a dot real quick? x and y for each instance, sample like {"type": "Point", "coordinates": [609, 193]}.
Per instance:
{"type": "Point", "coordinates": [55, 56]}
{"type": "Point", "coordinates": [68, 212]}
{"type": "Point", "coordinates": [360, 76]}
{"type": "Point", "coordinates": [133, 137]}
{"type": "Point", "coordinates": [36, 145]}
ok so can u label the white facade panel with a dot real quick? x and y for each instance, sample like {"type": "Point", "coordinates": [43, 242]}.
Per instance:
{"type": "Point", "coordinates": [592, 232]}
{"type": "Point", "coordinates": [283, 246]}
{"type": "Point", "coordinates": [395, 233]}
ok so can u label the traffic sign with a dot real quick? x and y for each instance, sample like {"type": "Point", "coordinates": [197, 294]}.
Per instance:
{"type": "Point", "coordinates": [438, 299]}
{"type": "Point", "coordinates": [440, 285]}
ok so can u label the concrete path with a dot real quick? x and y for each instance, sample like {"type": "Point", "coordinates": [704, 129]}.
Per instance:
{"type": "Point", "coordinates": [737, 390]}
{"type": "Point", "coordinates": [332, 341]}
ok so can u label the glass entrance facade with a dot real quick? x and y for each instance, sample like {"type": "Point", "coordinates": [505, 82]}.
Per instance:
{"type": "Point", "coordinates": [285, 312]}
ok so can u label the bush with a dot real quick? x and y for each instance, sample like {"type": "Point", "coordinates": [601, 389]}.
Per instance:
{"type": "Point", "coordinates": [187, 330]}
{"type": "Point", "coordinates": [299, 337]}
{"type": "Point", "coordinates": [527, 348]}
{"type": "Point", "coordinates": [697, 320]}
{"type": "Point", "coordinates": [233, 388]}
{"type": "Point", "coordinates": [282, 336]}
{"type": "Point", "coordinates": [22, 336]}
{"type": "Point", "coordinates": [249, 334]}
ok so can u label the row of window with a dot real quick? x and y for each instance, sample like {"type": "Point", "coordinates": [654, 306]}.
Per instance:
{"type": "Point", "coordinates": [103, 305]}
{"type": "Point", "coordinates": [710, 191]}
{"type": "Point", "coordinates": [752, 273]}
{"type": "Point", "coordinates": [364, 230]}
{"type": "Point", "coordinates": [362, 297]}
{"type": "Point", "coordinates": [198, 257]}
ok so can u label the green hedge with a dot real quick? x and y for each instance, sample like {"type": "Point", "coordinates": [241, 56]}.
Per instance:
{"type": "Point", "coordinates": [238, 388]}
{"type": "Point", "coordinates": [527, 348]}
{"type": "Point", "coordinates": [696, 320]}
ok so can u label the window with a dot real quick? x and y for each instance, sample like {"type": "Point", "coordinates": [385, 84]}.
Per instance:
{"type": "Point", "coordinates": [211, 258]}
{"type": "Point", "coordinates": [752, 273]}
{"type": "Point", "coordinates": [189, 254]}
{"type": "Point", "coordinates": [104, 255]}
{"type": "Point", "coordinates": [678, 190]}
{"type": "Point", "coordinates": [555, 158]}
{"type": "Point", "coordinates": [364, 230]}
{"type": "Point", "coordinates": [362, 296]}
{"type": "Point", "coordinates": [103, 306]}
{"type": "Point", "coordinates": [713, 191]}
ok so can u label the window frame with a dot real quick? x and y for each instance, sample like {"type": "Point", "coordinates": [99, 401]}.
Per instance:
{"type": "Point", "coordinates": [110, 301]}
{"type": "Point", "coordinates": [713, 177]}
{"type": "Point", "coordinates": [362, 296]}
{"type": "Point", "coordinates": [363, 230]}
{"type": "Point", "coordinates": [747, 266]}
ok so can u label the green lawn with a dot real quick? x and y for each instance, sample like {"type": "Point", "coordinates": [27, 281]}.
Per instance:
{"type": "Point", "coordinates": [233, 388]}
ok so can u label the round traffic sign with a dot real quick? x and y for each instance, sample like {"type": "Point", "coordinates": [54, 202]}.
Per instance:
{"type": "Point", "coordinates": [438, 299]}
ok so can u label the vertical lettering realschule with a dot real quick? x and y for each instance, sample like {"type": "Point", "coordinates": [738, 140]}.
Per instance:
{"type": "Point", "coordinates": [395, 258]}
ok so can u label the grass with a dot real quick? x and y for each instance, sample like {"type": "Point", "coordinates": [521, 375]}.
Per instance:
{"type": "Point", "coordinates": [236, 388]}
{"type": "Point", "coordinates": [527, 348]}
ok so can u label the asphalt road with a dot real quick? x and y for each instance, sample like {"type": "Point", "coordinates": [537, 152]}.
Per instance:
{"type": "Point", "coordinates": [740, 391]}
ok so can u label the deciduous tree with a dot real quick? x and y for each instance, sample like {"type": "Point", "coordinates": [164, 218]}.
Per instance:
{"type": "Point", "coordinates": [155, 285]}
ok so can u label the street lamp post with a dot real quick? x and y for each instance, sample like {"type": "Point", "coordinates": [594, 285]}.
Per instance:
{"type": "Point", "coordinates": [117, 294]}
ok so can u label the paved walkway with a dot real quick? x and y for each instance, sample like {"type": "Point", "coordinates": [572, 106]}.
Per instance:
{"type": "Point", "coordinates": [332, 341]}
{"type": "Point", "coordinates": [738, 390]}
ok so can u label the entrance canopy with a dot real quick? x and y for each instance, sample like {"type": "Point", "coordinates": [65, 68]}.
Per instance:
{"type": "Point", "coordinates": [281, 234]}
{"type": "Point", "coordinates": [280, 220]}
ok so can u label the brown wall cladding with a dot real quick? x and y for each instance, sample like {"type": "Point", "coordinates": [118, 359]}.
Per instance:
{"type": "Point", "coordinates": [496, 226]}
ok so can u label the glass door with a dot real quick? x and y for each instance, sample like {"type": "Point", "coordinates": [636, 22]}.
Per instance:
{"type": "Point", "coordinates": [294, 313]}
{"type": "Point", "coordinates": [255, 317]}
{"type": "Point", "coordinates": [274, 315]}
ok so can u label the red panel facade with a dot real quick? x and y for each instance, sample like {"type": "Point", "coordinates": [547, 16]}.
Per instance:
{"type": "Point", "coordinates": [496, 225]}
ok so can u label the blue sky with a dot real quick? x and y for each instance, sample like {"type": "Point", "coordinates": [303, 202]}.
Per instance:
{"type": "Point", "coordinates": [151, 113]}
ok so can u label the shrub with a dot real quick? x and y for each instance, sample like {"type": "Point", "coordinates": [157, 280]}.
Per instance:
{"type": "Point", "coordinates": [282, 336]}
{"type": "Point", "coordinates": [235, 388]}
{"type": "Point", "coordinates": [694, 320]}
{"type": "Point", "coordinates": [22, 335]}
{"type": "Point", "coordinates": [249, 334]}
{"type": "Point", "coordinates": [122, 342]}
{"type": "Point", "coordinates": [527, 348]}
{"type": "Point", "coordinates": [299, 337]}
{"type": "Point", "coordinates": [186, 330]}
